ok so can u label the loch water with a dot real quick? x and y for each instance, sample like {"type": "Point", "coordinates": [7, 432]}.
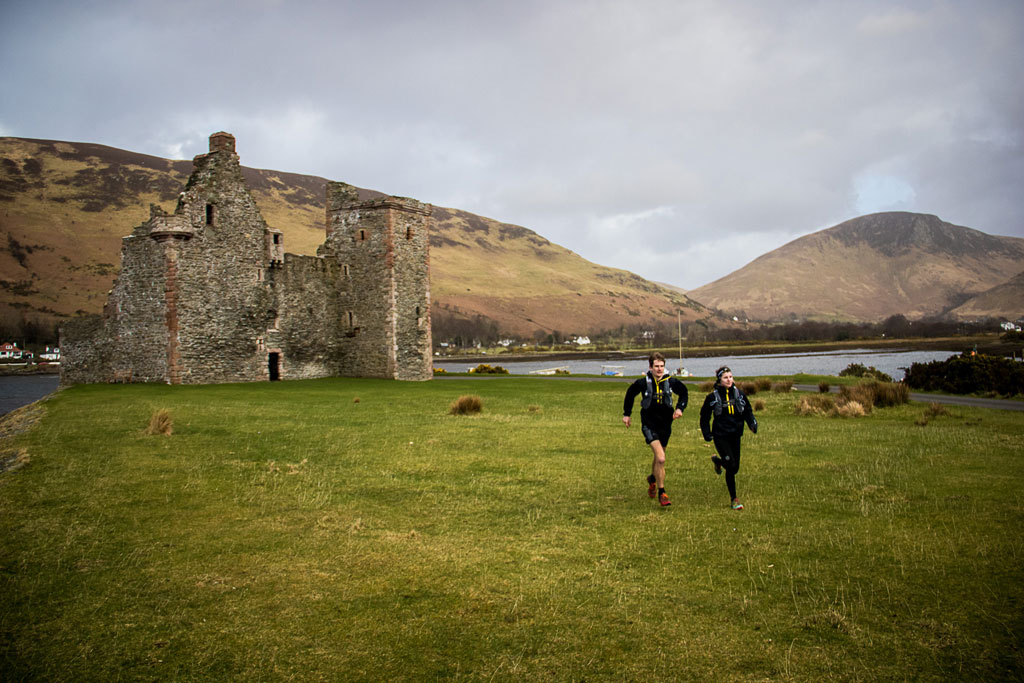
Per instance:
{"type": "Point", "coordinates": [892, 363]}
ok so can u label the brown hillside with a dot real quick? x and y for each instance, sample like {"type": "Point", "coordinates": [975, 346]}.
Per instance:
{"type": "Point", "coordinates": [1004, 301]}
{"type": "Point", "coordinates": [868, 269]}
{"type": "Point", "coordinates": [64, 208]}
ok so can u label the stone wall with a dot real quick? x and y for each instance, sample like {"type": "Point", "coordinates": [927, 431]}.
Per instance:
{"type": "Point", "coordinates": [225, 302]}
{"type": "Point", "coordinates": [306, 334]}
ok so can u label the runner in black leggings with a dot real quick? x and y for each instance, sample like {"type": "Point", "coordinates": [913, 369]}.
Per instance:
{"type": "Point", "coordinates": [731, 410]}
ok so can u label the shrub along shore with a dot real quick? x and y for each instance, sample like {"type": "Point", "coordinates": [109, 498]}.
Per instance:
{"type": "Point", "coordinates": [363, 529]}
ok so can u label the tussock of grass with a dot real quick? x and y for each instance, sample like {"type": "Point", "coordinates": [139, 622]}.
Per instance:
{"type": "Point", "coordinates": [783, 387]}
{"type": "Point", "coordinates": [160, 422]}
{"type": "Point", "coordinates": [819, 405]}
{"type": "Point", "coordinates": [933, 411]}
{"type": "Point", "coordinates": [856, 400]}
{"type": "Point", "coordinates": [871, 394]}
{"type": "Point", "coordinates": [851, 409]}
{"type": "Point", "coordinates": [466, 405]}
{"type": "Point", "coordinates": [824, 387]}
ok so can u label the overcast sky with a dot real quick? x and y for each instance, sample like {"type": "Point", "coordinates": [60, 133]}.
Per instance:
{"type": "Point", "coordinates": [676, 139]}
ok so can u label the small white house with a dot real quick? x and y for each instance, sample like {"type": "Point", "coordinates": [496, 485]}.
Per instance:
{"type": "Point", "coordinates": [10, 351]}
{"type": "Point", "coordinates": [50, 354]}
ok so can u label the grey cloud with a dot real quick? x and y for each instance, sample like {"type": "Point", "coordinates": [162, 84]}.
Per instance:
{"type": "Point", "coordinates": [729, 125]}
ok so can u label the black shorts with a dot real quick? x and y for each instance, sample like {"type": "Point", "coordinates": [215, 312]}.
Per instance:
{"type": "Point", "coordinates": [660, 433]}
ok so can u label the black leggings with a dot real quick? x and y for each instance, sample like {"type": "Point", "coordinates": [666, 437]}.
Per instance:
{"type": "Point", "coordinates": [728, 448]}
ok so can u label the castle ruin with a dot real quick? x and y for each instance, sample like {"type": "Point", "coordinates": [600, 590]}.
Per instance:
{"type": "Point", "coordinates": [207, 294]}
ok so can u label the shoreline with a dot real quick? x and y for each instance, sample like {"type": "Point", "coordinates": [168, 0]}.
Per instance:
{"type": "Point", "coordinates": [14, 370]}
{"type": "Point", "coordinates": [959, 344]}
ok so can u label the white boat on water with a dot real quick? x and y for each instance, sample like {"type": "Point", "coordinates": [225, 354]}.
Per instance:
{"type": "Point", "coordinates": [563, 370]}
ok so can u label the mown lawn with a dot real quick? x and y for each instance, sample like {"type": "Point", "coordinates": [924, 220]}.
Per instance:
{"type": "Point", "coordinates": [354, 530]}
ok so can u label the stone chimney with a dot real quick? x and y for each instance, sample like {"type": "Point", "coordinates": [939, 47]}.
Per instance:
{"type": "Point", "coordinates": [222, 142]}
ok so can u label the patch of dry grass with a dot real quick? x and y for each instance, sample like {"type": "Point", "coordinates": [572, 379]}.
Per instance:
{"type": "Point", "coordinates": [851, 409]}
{"type": "Point", "coordinates": [934, 410]}
{"type": "Point", "coordinates": [466, 405]}
{"type": "Point", "coordinates": [12, 424]}
{"type": "Point", "coordinates": [816, 405]}
{"type": "Point", "coordinates": [871, 394]}
{"type": "Point", "coordinates": [160, 422]}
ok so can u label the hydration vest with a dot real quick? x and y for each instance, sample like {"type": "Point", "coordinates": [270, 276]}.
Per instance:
{"type": "Point", "coordinates": [738, 404]}
{"type": "Point", "coordinates": [653, 396]}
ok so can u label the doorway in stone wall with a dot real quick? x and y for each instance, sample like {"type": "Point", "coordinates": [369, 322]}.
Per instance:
{"type": "Point", "coordinates": [274, 366]}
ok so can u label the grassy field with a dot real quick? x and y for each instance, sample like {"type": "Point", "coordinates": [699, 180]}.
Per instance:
{"type": "Point", "coordinates": [354, 530]}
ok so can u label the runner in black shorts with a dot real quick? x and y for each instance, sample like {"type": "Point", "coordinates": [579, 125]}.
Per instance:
{"type": "Point", "coordinates": [656, 416]}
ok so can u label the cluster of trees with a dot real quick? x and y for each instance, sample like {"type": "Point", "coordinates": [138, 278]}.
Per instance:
{"type": "Point", "coordinates": [27, 331]}
{"type": "Point", "coordinates": [897, 326]}
{"type": "Point", "coordinates": [461, 330]}
{"type": "Point", "coordinates": [968, 373]}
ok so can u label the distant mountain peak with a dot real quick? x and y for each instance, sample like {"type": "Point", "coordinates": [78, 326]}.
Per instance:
{"type": "Point", "coordinates": [894, 233]}
{"type": "Point", "coordinates": [868, 268]}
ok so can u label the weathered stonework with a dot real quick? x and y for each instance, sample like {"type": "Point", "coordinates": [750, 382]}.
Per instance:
{"type": "Point", "coordinates": [208, 294]}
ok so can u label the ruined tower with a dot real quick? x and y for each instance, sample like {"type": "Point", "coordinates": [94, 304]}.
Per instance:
{"type": "Point", "coordinates": [381, 249]}
{"type": "Point", "coordinates": [207, 294]}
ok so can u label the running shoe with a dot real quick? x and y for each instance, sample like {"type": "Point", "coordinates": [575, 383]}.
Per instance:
{"type": "Point", "coordinates": [663, 499]}
{"type": "Point", "coordinates": [718, 464]}
{"type": "Point", "coordinates": [736, 504]}
{"type": "Point", "coordinates": [652, 488]}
